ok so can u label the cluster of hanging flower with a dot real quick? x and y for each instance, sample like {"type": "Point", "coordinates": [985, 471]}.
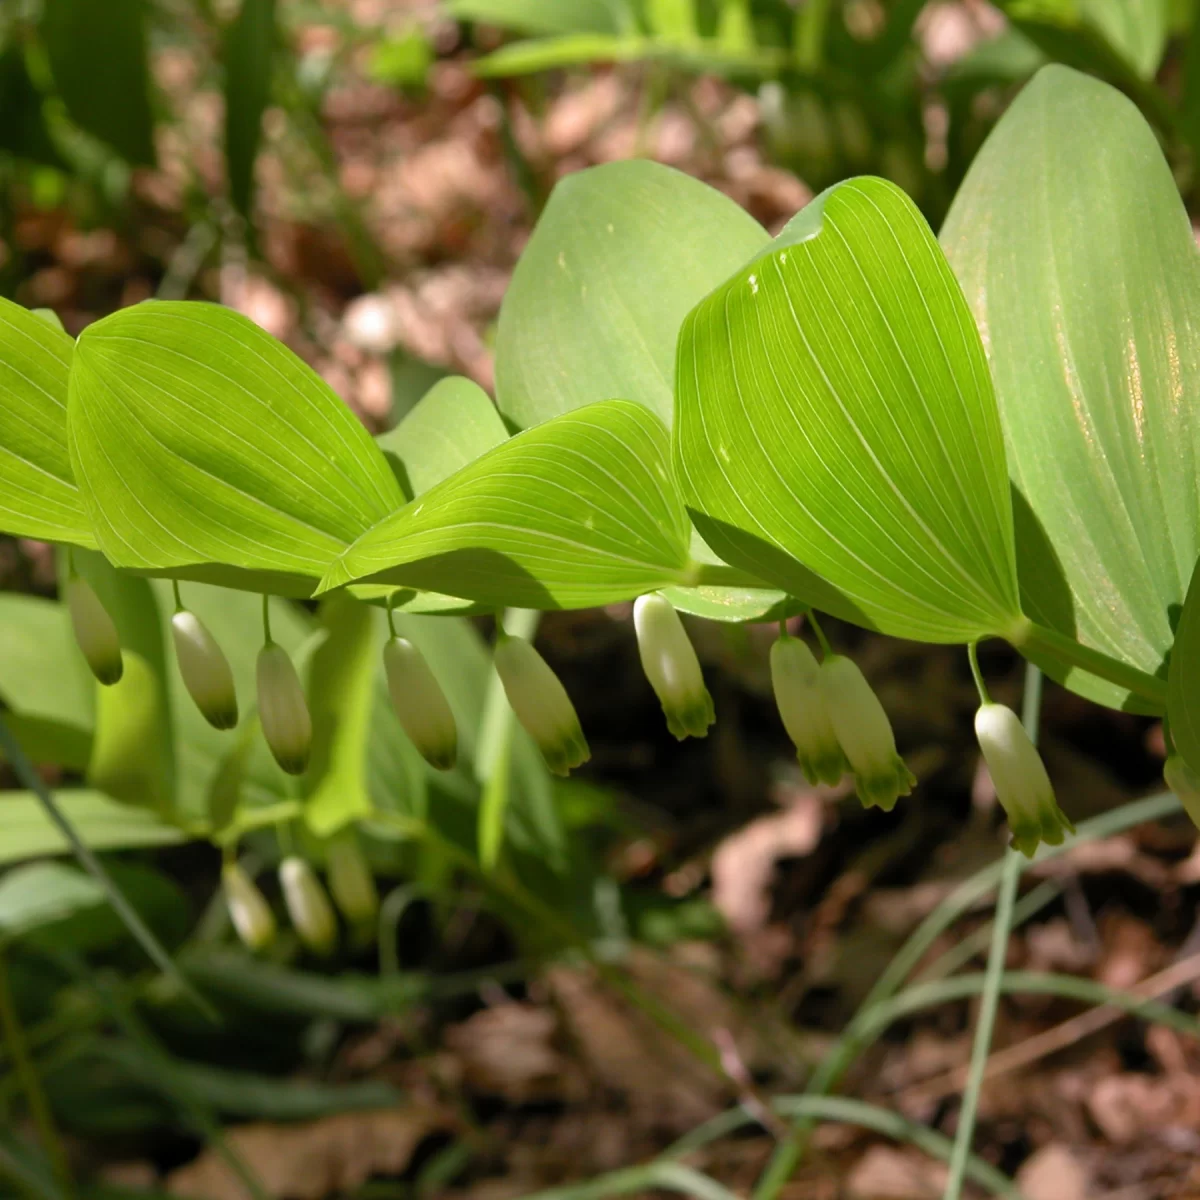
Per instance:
{"type": "Point", "coordinates": [829, 710]}
{"type": "Point", "coordinates": [308, 905]}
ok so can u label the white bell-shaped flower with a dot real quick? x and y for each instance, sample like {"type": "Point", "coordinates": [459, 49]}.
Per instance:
{"type": "Point", "coordinates": [351, 882]}
{"type": "Point", "coordinates": [671, 665]}
{"type": "Point", "coordinates": [205, 670]}
{"type": "Point", "coordinates": [541, 704]}
{"type": "Point", "coordinates": [1019, 776]}
{"type": "Point", "coordinates": [1185, 783]}
{"type": "Point", "coordinates": [248, 909]}
{"type": "Point", "coordinates": [420, 704]}
{"type": "Point", "coordinates": [864, 733]}
{"type": "Point", "coordinates": [283, 710]}
{"type": "Point", "coordinates": [308, 905]}
{"type": "Point", "coordinates": [95, 631]}
{"type": "Point", "coordinates": [795, 677]}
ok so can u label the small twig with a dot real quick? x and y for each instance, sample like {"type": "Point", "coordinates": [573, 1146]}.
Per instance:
{"type": "Point", "coordinates": [748, 1095]}
{"type": "Point", "coordinates": [1059, 1037]}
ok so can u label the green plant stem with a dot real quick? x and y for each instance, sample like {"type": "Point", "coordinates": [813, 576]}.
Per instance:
{"type": "Point", "coordinates": [980, 683]}
{"type": "Point", "coordinates": [30, 779]}
{"type": "Point", "coordinates": [266, 618]}
{"type": "Point", "coordinates": [826, 648]}
{"type": "Point", "coordinates": [31, 1084]}
{"type": "Point", "coordinates": [1036, 640]}
{"type": "Point", "coordinates": [1010, 879]}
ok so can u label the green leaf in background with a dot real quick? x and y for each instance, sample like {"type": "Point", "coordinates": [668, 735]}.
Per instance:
{"type": "Point", "coordinates": [341, 688]}
{"type": "Point", "coordinates": [103, 823]}
{"type": "Point", "coordinates": [450, 426]}
{"type": "Point", "coordinates": [1077, 257]}
{"type": "Point", "coordinates": [202, 444]}
{"type": "Point", "coordinates": [38, 496]}
{"type": "Point", "coordinates": [44, 893]}
{"type": "Point", "coordinates": [620, 255]}
{"type": "Point", "coordinates": [23, 132]}
{"type": "Point", "coordinates": [1109, 37]}
{"type": "Point", "coordinates": [247, 59]}
{"type": "Point", "coordinates": [1183, 680]}
{"type": "Point", "coordinates": [546, 16]}
{"type": "Point", "coordinates": [98, 56]}
{"type": "Point", "coordinates": [51, 702]}
{"type": "Point", "coordinates": [133, 750]}
{"type": "Point", "coordinates": [578, 511]}
{"type": "Point", "coordinates": [835, 415]}
{"type": "Point", "coordinates": [674, 19]}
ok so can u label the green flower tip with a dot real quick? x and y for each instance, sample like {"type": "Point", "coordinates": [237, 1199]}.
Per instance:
{"type": "Point", "coordinates": [420, 704]}
{"type": "Point", "coordinates": [1022, 785]}
{"type": "Point", "coordinates": [795, 679]}
{"type": "Point", "coordinates": [95, 631]}
{"type": "Point", "coordinates": [541, 705]}
{"type": "Point", "coordinates": [670, 663]}
{"type": "Point", "coordinates": [882, 788]}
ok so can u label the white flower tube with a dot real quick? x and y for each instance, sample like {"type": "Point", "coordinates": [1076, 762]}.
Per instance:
{"type": "Point", "coordinates": [541, 704]}
{"type": "Point", "coordinates": [420, 703]}
{"type": "Point", "coordinates": [671, 666]}
{"type": "Point", "coordinates": [205, 670]}
{"type": "Point", "coordinates": [1019, 775]}
{"type": "Point", "coordinates": [795, 677]}
{"type": "Point", "coordinates": [1185, 783]}
{"type": "Point", "coordinates": [248, 909]}
{"type": "Point", "coordinates": [94, 631]}
{"type": "Point", "coordinates": [282, 709]}
{"type": "Point", "coordinates": [350, 880]}
{"type": "Point", "coordinates": [307, 905]}
{"type": "Point", "coordinates": [864, 733]}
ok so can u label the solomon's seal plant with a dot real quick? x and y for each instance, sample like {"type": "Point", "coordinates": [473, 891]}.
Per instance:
{"type": "Point", "coordinates": [991, 434]}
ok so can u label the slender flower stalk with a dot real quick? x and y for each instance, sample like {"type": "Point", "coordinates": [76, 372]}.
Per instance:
{"type": "Point", "coordinates": [350, 880]}
{"type": "Point", "coordinates": [541, 704]}
{"type": "Point", "coordinates": [1022, 785]}
{"type": "Point", "coordinates": [283, 710]}
{"type": "Point", "coordinates": [95, 631]}
{"type": "Point", "coordinates": [205, 670]}
{"type": "Point", "coordinates": [796, 679]}
{"type": "Point", "coordinates": [1185, 783]}
{"type": "Point", "coordinates": [421, 705]}
{"type": "Point", "coordinates": [248, 909]}
{"type": "Point", "coordinates": [671, 666]}
{"type": "Point", "coordinates": [864, 733]}
{"type": "Point", "coordinates": [308, 905]}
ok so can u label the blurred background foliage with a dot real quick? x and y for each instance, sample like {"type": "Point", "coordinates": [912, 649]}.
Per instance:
{"type": "Point", "coordinates": [359, 177]}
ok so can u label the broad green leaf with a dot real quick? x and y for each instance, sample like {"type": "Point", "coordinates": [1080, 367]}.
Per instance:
{"type": "Point", "coordinates": [1183, 680]}
{"type": "Point", "coordinates": [99, 59]}
{"type": "Point", "coordinates": [44, 893]}
{"type": "Point", "coordinates": [38, 496]}
{"type": "Point", "coordinates": [452, 425]}
{"type": "Point", "coordinates": [205, 448]}
{"type": "Point", "coordinates": [341, 690]}
{"type": "Point", "coordinates": [23, 132]}
{"type": "Point", "coordinates": [103, 823]}
{"type": "Point", "coordinates": [546, 16]}
{"type": "Point", "coordinates": [837, 433]}
{"type": "Point", "coordinates": [733, 605]}
{"type": "Point", "coordinates": [578, 511]}
{"type": "Point", "coordinates": [249, 45]}
{"type": "Point", "coordinates": [1111, 37]}
{"type": "Point", "coordinates": [1077, 258]}
{"type": "Point", "coordinates": [133, 750]}
{"type": "Point", "coordinates": [620, 255]}
{"type": "Point", "coordinates": [40, 680]}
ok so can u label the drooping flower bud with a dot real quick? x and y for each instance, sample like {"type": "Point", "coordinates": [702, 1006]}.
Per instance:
{"type": "Point", "coordinates": [864, 733]}
{"type": "Point", "coordinates": [1185, 783]}
{"type": "Point", "coordinates": [671, 665]}
{"type": "Point", "coordinates": [1019, 775]}
{"type": "Point", "coordinates": [307, 905]}
{"type": "Point", "coordinates": [351, 881]}
{"type": "Point", "coordinates": [248, 909]}
{"type": "Point", "coordinates": [282, 709]}
{"type": "Point", "coordinates": [420, 703]}
{"type": "Point", "coordinates": [795, 676]}
{"type": "Point", "coordinates": [205, 670]}
{"type": "Point", "coordinates": [94, 631]}
{"type": "Point", "coordinates": [541, 704]}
